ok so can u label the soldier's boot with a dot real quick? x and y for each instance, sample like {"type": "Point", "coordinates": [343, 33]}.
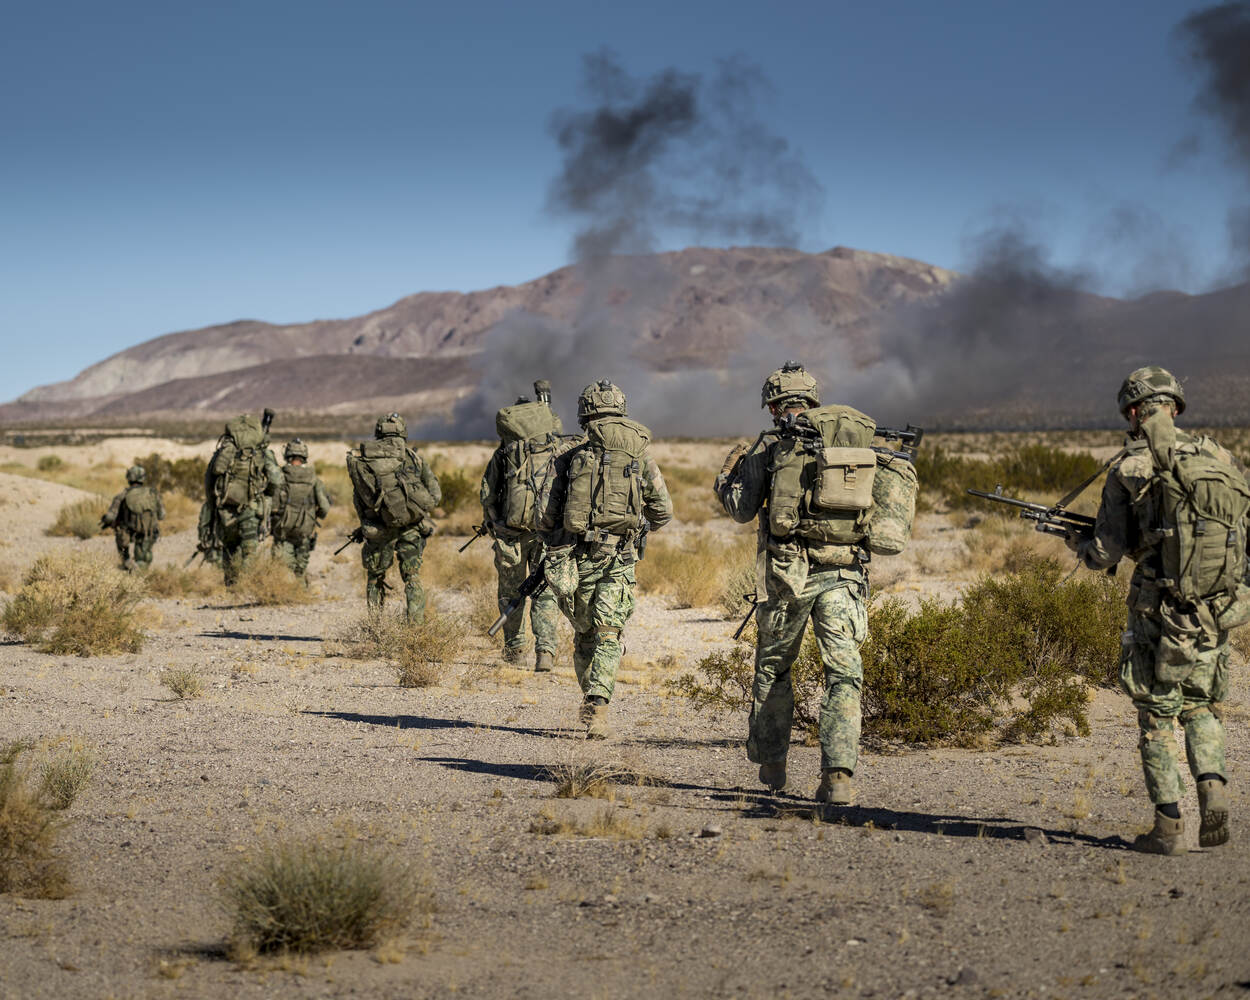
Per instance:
{"type": "Point", "coordinates": [544, 662]}
{"type": "Point", "coordinates": [835, 787]}
{"type": "Point", "coordinates": [375, 594]}
{"type": "Point", "coordinates": [595, 709]}
{"type": "Point", "coordinates": [513, 654]}
{"type": "Point", "coordinates": [774, 776]}
{"type": "Point", "coordinates": [1213, 803]}
{"type": "Point", "coordinates": [1163, 838]}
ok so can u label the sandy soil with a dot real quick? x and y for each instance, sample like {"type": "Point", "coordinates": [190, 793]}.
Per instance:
{"type": "Point", "coordinates": [936, 883]}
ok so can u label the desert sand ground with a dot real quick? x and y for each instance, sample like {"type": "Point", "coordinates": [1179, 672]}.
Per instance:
{"type": "Point", "coordinates": [937, 882]}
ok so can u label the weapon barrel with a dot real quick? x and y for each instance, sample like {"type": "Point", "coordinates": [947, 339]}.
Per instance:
{"type": "Point", "coordinates": [501, 619]}
{"type": "Point", "coordinates": [1011, 501]}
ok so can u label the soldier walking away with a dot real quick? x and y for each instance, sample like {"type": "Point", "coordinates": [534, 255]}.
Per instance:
{"type": "Point", "coordinates": [394, 491]}
{"type": "Point", "coordinates": [529, 434]}
{"type": "Point", "coordinates": [811, 480]}
{"type": "Point", "coordinates": [1176, 505]}
{"type": "Point", "coordinates": [300, 503]}
{"type": "Point", "coordinates": [601, 496]}
{"type": "Point", "coordinates": [239, 484]}
{"type": "Point", "coordinates": [134, 516]}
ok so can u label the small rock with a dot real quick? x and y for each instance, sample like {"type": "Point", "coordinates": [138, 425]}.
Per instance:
{"type": "Point", "coordinates": [203, 777]}
{"type": "Point", "coordinates": [650, 898]}
{"type": "Point", "coordinates": [1035, 836]}
{"type": "Point", "coordinates": [967, 976]}
{"type": "Point", "coordinates": [609, 900]}
{"type": "Point", "coordinates": [124, 843]}
{"type": "Point", "coordinates": [1176, 893]}
{"type": "Point", "coordinates": [898, 838]}
{"type": "Point", "coordinates": [853, 942]}
{"type": "Point", "coordinates": [711, 831]}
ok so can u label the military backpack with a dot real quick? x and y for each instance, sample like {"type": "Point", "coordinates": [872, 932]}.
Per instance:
{"type": "Point", "coordinates": [529, 434]}
{"type": "Point", "coordinates": [295, 507]}
{"type": "Point", "coordinates": [605, 480]}
{"type": "Point", "coordinates": [237, 470]}
{"type": "Point", "coordinates": [139, 508]}
{"type": "Point", "coordinates": [822, 472]}
{"type": "Point", "coordinates": [386, 475]}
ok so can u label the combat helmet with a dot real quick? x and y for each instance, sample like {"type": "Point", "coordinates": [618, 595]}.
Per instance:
{"type": "Point", "coordinates": [295, 448]}
{"type": "Point", "coordinates": [1147, 382]}
{"type": "Point", "coordinates": [391, 425]}
{"type": "Point", "coordinates": [790, 382]}
{"type": "Point", "coordinates": [135, 475]}
{"type": "Point", "coordinates": [602, 399]}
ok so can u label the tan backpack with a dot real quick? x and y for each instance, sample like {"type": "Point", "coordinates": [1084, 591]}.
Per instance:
{"type": "Point", "coordinates": [605, 479]}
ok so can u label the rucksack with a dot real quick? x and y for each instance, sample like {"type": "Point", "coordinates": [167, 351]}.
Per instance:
{"type": "Point", "coordinates": [237, 470]}
{"type": "Point", "coordinates": [822, 472]}
{"type": "Point", "coordinates": [386, 476]}
{"type": "Point", "coordinates": [295, 508]}
{"type": "Point", "coordinates": [605, 476]}
{"type": "Point", "coordinates": [138, 510]}
{"type": "Point", "coordinates": [529, 434]}
{"type": "Point", "coordinates": [1201, 500]}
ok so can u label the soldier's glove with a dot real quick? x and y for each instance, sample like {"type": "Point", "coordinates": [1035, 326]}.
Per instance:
{"type": "Point", "coordinates": [732, 458]}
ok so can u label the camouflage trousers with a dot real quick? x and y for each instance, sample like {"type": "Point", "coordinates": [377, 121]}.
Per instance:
{"type": "Point", "coordinates": [380, 551]}
{"type": "Point", "coordinates": [295, 552]}
{"type": "Point", "coordinates": [143, 544]}
{"type": "Point", "coordinates": [833, 600]}
{"type": "Point", "coordinates": [240, 535]}
{"type": "Point", "coordinates": [594, 590]}
{"type": "Point", "coordinates": [515, 559]}
{"type": "Point", "coordinates": [1191, 693]}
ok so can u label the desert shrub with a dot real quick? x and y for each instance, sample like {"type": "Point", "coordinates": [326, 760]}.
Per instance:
{"type": "Point", "coordinates": [181, 475]}
{"type": "Point", "coordinates": [739, 586]}
{"type": "Point", "coordinates": [420, 654]}
{"type": "Point", "coordinates": [80, 518]}
{"type": "Point", "coordinates": [580, 777]}
{"type": "Point", "coordinates": [182, 682]}
{"type": "Point", "coordinates": [181, 513]}
{"type": "Point", "coordinates": [308, 896]}
{"type": "Point", "coordinates": [447, 569]}
{"type": "Point", "coordinates": [266, 580]}
{"type": "Point", "coordinates": [1025, 470]}
{"type": "Point", "coordinates": [29, 827]}
{"type": "Point", "coordinates": [80, 604]}
{"type": "Point", "coordinates": [1014, 656]}
{"type": "Point", "coordinates": [171, 580]}
{"type": "Point", "coordinates": [65, 775]}
{"type": "Point", "coordinates": [460, 489]}
{"type": "Point", "coordinates": [693, 571]}
{"type": "Point", "coordinates": [49, 463]}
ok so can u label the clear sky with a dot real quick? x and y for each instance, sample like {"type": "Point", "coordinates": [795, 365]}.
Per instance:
{"type": "Point", "coordinates": [165, 166]}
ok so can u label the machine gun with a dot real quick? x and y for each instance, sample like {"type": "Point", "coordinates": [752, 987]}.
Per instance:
{"type": "Point", "coordinates": [531, 586]}
{"type": "Point", "coordinates": [908, 439]}
{"type": "Point", "coordinates": [354, 538]}
{"type": "Point", "coordinates": [1052, 520]}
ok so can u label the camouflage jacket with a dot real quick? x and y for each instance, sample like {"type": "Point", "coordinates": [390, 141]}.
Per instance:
{"type": "Point", "coordinates": [428, 479]}
{"type": "Point", "coordinates": [657, 505]}
{"type": "Point", "coordinates": [110, 518]}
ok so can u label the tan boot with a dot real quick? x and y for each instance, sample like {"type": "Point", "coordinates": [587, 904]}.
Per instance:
{"type": "Point", "coordinates": [543, 662]}
{"type": "Point", "coordinates": [835, 787]}
{"type": "Point", "coordinates": [1163, 838]}
{"type": "Point", "coordinates": [1213, 803]}
{"type": "Point", "coordinates": [597, 725]}
{"type": "Point", "coordinates": [774, 776]}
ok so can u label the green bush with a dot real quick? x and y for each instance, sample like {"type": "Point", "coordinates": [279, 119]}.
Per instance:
{"type": "Point", "coordinates": [49, 463]}
{"type": "Point", "coordinates": [1024, 471]}
{"type": "Point", "coordinates": [80, 518]}
{"type": "Point", "coordinates": [182, 475]}
{"type": "Point", "coordinates": [459, 488]}
{"type": "Point", "coordinates": [1013, 657]}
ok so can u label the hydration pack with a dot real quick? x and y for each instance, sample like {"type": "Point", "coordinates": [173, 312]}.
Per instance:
{"type": "Point", "coordinates": [529, 433]}
{"type": "Point", "coordinates": [605, 477]}
{"type": "Point", "coordinates": [237, 469]}
{"type": "Point", "coordinates": [386, 475]}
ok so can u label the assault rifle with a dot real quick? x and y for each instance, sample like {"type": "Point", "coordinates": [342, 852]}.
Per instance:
{"type": "Point", "coordinates": [753, 600]}
{"type": "Point", "coordinates": [1052, 520]}
{"type": "Point", "coordinates": [478, 531]}
{"type": "Point", "coordinates": [909, 438]}
{"type": "Point", "coordinates": [354, 538]}
{"type": "Point", "coordinates": [531, 586]}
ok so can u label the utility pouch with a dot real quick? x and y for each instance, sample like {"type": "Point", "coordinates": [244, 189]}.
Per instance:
{"type": "Point", "coordinates": [844, 478]}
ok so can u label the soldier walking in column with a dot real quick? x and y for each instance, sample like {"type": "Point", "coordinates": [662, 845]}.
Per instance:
{"type": "Point", "coordinates": [134, 516]}
{"type": "Point", "coordinates": [300, 503]}
{"type": "Point", "coordinates": [239, 485]}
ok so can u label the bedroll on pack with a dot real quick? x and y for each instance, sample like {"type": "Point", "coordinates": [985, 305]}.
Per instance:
{"type": "Point", "coordinates": [605, 479]}
{"type": "Point", "coordinates": [295, 507]}
{"type": "Point", "coordinates": [822, 474]}
{"type": "Point", "coordinates": [529, 434]}
{"type": "Point", "coordinates": [1202, 500]}
{"type": "Point", "coordinates": [238, 466]}
{"type": "Point", "coordinates": [387, 478]}
{"type": "Point", "coordinates": [138, 510]}
{"type": "Point", "coordinates": [894, 491]}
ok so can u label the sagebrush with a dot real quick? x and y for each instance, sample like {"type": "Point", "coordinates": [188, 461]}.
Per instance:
{"type": "Point", "coordinates": [65, 776]}
{"type": "Point", "coordinates": [80, 518]}
{"type": "Point", "coordinates": [420, 653]}
{"type": "Point", "coordinates": [268, 581]}
{"type": "Point", "coordinates": [179, 475]}
{"type": "Point", "coordinates": [29, 828]}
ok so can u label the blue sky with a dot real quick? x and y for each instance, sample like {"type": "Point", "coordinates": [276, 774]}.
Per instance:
{"type": "Point", "coordinates": [168, 166]}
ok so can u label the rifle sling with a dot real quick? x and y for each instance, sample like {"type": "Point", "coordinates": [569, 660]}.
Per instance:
{"type": "Point", "coordinates": [1085, 485]}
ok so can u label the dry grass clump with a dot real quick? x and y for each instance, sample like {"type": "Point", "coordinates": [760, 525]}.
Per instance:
{"type": "Point", "coordinates": [420, 654]}
{"type": "Point", "coordinates": [79, 604]}
{"type": "Point", "coordinates": [29, 827]}
{"type": "Point", "coordinates": [691, 489]}
{"type": "Point", "coordinates": [579, 777]}
{"type": "Point", "coordinates": [183, 682]}
{"type": "Point", "coordinates": [445, 568]}
{"type": "Point", "coordinates": [181, 513]}
{"type": "Point", "coordinates": [696, 571]}
{"type": "Point", "coordinates": [172, 580]}
{"type": "Point", "coordinates": [65, 775]}
{"type": "Point", "coordinates": [609, 823]}
{"type": "Point", "coordinates": [81, 518]}
{"type": "Point", "coordinates": [1240, 639]}
{"type": "Point", "coordinates": [309, 896]}
{"type": "Point", "coordinates": [266, 580]}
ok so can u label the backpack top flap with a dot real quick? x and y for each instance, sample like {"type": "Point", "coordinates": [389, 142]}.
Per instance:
{"type": "Point", "coordinates": [245, 431]}
{"type": "Point", "coordinates": [840, 426]}
{"type": "Point", "coordinates": [618, 434]}
{"type": "Point", "coordinates": [525, 420]}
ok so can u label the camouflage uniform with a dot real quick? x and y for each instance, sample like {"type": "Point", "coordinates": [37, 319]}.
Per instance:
{"type": "Point", "coordinates": [593, 580]}
{"type": "Point", "coordinates": [238, 530]}
{"type": "Point", "coordinates": [382, 543]}
{"type": "Point", "coordinates": [1196, 672]}
{"type": "Point", "coordinates": [295, 531]}
{"type": "Point", "coordinates": [124, 533]}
